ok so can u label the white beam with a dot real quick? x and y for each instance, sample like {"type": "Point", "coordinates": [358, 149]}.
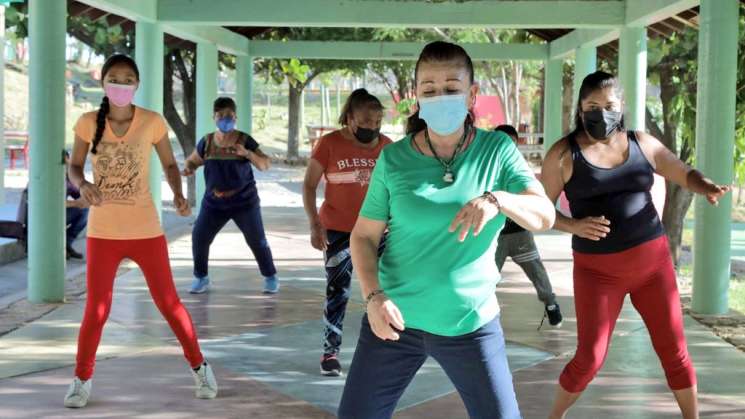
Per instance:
{"type": "Point", "coordinates": [225, 40]}
{"type": "Point", "coordinates": [579, 38]}
{"type": "Point", "coordinates": [647, 12]}
{"type": "Point", "coordinates": [388, 50]}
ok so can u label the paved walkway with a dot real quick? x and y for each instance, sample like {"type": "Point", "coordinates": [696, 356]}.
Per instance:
{"type": "Point", "coordinates": [266, 349]}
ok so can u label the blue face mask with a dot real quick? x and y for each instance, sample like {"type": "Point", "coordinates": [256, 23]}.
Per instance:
{"type": "Point", "coordinates": [443, 114]}
{"type": "Point", "coordinates": [225, 125]}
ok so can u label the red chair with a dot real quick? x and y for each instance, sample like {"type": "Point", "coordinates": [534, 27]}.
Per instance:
{"type": "Point", "coordinates": [14, 151]}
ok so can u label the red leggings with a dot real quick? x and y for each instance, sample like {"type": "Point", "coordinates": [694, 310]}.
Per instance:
{"type": "Point", "coordinates": [104, 257]}
{"type": "Point", "coordinates": [601, 282]}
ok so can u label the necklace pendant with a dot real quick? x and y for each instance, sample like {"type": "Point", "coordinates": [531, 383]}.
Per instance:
{"type": "Point", "coordinates": [448, 177]}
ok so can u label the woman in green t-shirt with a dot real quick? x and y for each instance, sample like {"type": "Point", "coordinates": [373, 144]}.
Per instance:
{"type": "Point", "coordinates": [430, 190]}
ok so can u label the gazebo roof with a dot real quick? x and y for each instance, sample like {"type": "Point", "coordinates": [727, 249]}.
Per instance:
{"type": "Point", "coordinates": [663, 28]}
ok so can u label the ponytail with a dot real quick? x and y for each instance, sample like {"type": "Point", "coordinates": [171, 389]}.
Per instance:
{"type": "Point", "coordinates": [103, 111]}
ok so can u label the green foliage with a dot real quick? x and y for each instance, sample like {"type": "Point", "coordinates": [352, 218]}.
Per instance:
{"type": "Point", "coordinates": [740, 113]}
{"type": "Point", "coordinates": [299, 72]}
{"type": "Point", "coordinates": [673, 61]}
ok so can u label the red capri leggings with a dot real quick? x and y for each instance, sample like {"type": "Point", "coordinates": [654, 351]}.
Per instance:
{"type": "Point", "coordinates": [601, 282]}
{"type": "Point", "coordinates": [104, 257]}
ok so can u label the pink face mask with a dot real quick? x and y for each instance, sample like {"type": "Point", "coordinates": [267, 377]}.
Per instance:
{"type": "Point", "coordinates": [120, 95]}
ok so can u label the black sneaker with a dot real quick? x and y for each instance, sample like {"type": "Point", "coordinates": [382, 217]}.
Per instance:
{"type": "Point", "coordinates": [73, 254]}
{"type": "Point", "coordinates": [330, 366]}
{"type": "Point", "coordinates": [553, 312]}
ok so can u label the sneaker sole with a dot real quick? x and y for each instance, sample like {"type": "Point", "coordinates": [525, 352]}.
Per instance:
{"type": "Point", "coordinates": [270, 292]}
{"type": "Point", "coordinates": [202, 291]}
{"type": "Point", "coordinates": [557, 326]}
{"type": "Point", "coordinates": [333, 373]}
{"type": "Point", "coordinates": [75, 405]}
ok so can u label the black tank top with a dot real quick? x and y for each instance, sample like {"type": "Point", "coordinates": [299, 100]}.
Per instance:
{"type": "Point", "coordinates": [621, 194]}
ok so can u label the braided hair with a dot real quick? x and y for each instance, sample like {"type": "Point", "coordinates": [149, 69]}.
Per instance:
{"type": "Point", "coordinates": [103, 109]}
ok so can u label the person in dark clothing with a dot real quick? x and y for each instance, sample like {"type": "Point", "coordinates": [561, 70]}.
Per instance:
{"type": "Point", "coordinates": [228, 155]}
{"type": "Point", "coordinates": [76, 214]}
{"type": "Point", "coordinates": [518, 243]}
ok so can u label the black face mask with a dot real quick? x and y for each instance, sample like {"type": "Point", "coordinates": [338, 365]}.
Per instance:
{"type": "Point", "coordinates": [601, 123]}
{"type": "Point", "coordinates": [366, 135]}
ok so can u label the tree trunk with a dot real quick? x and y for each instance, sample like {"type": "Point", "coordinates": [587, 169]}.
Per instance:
{"type": "Point", "coordinates": [677, 199]}
{"type": "Point", "coordinates": [185, 130]}
{"type": "Point", "coordinates": [567, 103]}
{"type": "Point", "coordinates": [293, 130]}
{"type": "Point", "coordinates": [294, 116]}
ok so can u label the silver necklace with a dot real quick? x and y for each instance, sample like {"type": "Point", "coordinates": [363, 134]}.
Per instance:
{"type": "Point", "coordinates": [448, 177]}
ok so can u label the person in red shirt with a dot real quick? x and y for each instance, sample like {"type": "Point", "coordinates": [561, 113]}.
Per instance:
{"type": "Point", "coordinates": [345, 158]}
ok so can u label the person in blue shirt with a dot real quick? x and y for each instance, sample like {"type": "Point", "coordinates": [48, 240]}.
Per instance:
{"type": "Point", "coordinates": [227, 155]}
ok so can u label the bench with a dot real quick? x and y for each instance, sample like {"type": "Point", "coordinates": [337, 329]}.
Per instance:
{"type": "Point", "coordinates": [14, 151]}
{"type": "Point", "coordinates": [315, 132]}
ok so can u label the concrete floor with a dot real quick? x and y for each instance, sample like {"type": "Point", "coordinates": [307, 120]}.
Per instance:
{"type": "Point", "coordinates": [266, 350]}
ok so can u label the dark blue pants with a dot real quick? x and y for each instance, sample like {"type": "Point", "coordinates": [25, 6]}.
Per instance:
{"type": "Point", "coordinates": [476, 363]}
{"type": "Point", "coordinates": [338, 260]}
{"type": "Point", "coordinates": [248, 219]}
{"type": "Point", "coordinates": [76, 220]}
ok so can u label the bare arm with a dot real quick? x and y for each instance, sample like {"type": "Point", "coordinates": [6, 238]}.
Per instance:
{"type": "Point", "coordinates": [556, 172]}
{"type": "Point", "coordinates": [553, 179]}
{"type": "Point", "coordinates": [192, 163]}
{"type": "Point", "coordinates": [173, 176]}
{"type": "Point", "coordinates": [313, 174]}
{"type": "Point", "coordinates": [531, 209]}
{"type": "Point", "coordinates": [75, 172]}
{"type": "Point", "coordinates": [675, 170]}
{"type": "Point", "coordinates": [259, 159]}
{"type": "Point", "coordinates": [384, 317]}
{"type": "Point", "coordinates": [310, 185]}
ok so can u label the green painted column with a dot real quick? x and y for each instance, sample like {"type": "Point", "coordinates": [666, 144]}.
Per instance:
{"type": "Point", "coordinates": [244, 75]}
{"type": "Point", "coordinates": [2, 104]}
{"type": "Point", "coordinates": [715, 133]}
{"type": "Point", "coordinates": [585, 63]}
{"type": "Point", "coordinates": [632, 69]}
{"type": "Point", "coordinates": [206, 95]}
{"type": "Point", "coordinates": [149, 56]}
{"type": "Point", "coordinates": [552, 95]}
{"type": "Point", "coordinates": [46, 245]}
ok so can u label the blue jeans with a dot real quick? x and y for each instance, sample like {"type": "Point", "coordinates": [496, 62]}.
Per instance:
{"type": "Point", "coordinates": [476, 363]}
{"type": "Point", "coordinates": [76, 220]}
{"type": "Point", "coordinates": [210, 221]}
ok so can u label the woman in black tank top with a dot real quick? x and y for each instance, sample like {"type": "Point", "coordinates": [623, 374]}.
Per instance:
{"type": "Point", "coordinates": [618, 240]}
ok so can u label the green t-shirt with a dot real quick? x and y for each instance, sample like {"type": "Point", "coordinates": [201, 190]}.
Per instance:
{"type": "Point", "coordinates": [440, 285]}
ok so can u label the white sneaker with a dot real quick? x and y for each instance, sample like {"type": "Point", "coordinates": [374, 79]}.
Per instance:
{"type": "Point", "coordinates": [78, 393]}
{"type": "Point", "coordinates": [205, 381]}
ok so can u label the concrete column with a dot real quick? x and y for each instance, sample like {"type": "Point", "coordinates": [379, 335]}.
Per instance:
{"type": "Point", "coordinates": [715, 135]}
{"type": "Point", "coordinates": [46, 245]}
{"type": "Point", "coordinates": [149, 54]}
{"type": "Point", "coordinates": [585, 64]}
{"type": "Point", "coordinates": [206, 95]}
{"type": "Point", "coordinates": [632, 69]}
{"type": "Point", "coordinates": [244, 92]}
{"type": "Point", "coordinates": [552, 108]}
{"type": "Point", "coordinates": [2, 104]}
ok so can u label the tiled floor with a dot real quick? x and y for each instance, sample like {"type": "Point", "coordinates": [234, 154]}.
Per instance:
{"type": "Point", "coordinates": [266, 349]}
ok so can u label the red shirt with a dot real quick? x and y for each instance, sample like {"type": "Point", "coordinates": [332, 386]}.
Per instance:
{"type": "Point", "coordinates": [347, 169]}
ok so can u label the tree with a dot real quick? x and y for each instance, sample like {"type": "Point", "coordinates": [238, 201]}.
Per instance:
{"type": "Point", "coordinates": [299, 73]}
{"type": "Point", "coordinates": [673, 65]}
